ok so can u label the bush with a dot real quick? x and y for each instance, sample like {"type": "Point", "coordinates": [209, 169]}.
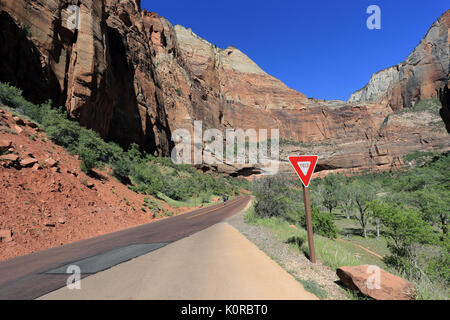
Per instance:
{"type": "Point", "coordinates": [144, 171]}
{"type": "Point", "coordinates": [274, 199]}
{"type": "Point", "coordinates": [148, 178]}
{"type": "Point", "coordinates": [439, 266]}
{"type": "Point", "coordinates": [405, 230]}
{"type": "Point", "coordinates": [204, 197]}
{"type": "Point", "coordinates": [323, 223]}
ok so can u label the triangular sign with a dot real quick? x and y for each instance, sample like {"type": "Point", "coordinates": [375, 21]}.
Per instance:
{"type": "Point", "coordinates": [304, 166]}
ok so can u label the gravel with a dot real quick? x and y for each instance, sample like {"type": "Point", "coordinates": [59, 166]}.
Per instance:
{"type": "Point", "coordinates": [290, 259]}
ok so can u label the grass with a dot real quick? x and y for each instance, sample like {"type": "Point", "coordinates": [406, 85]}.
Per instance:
{"type": "Point", "coordinates": [175, 203]}
{"type": "Point", "coordinates": [332, 253]}
{"type": "Point", "coordinates": [313, 287]}
{"type": "Point", "coordinates": [335, 254]}
{"type": "Point", "coordinates": [350, 231]}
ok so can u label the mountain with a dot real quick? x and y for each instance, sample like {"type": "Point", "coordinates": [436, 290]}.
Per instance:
{"type": "Point", "coordinates": [133, 77]}
{"type": "Point", "coordinates": [421, 76]}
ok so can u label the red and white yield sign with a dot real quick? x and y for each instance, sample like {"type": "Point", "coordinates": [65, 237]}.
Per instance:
{"type": "Point", "coordinates": [304, 166]}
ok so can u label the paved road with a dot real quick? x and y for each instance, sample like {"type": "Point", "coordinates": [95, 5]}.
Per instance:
{"type": "Point", "coordinates": [217, 263]}
{"type": "Point", "coordinates": [27, 277]}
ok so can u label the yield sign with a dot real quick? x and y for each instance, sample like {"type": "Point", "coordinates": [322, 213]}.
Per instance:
{"type": "Point", "coordinates": [304, 166]}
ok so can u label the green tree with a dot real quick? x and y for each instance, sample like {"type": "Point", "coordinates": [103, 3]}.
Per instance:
{"type": "Point", "coordinates": [362, 192]}
{"type": "Point", "coordinates": [439, 266]}
{"type": "Point", "coordinates": [347, 203]}
{"type": "Point", "coordinates": [331, 191]}
{"type": "Point", "coordinates": [274, 198]}
{"type": "Point", "coordinates": [405, 230]}
{"type": "Point", "coordinates": [434, 202]}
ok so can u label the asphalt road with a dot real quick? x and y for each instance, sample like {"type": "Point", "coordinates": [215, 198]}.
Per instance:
{"type": "Point", "coordinates": [28, 277]}
{"type": "Point", "coordinates": [217, 263]}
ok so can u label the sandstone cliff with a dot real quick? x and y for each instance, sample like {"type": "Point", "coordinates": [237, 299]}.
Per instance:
{"type": "Point", "coordinates": [102, 72]}
{"type": "Point", "coordinates": [421, 76]}
{"type": "Point", "coordinates": [133, 77]}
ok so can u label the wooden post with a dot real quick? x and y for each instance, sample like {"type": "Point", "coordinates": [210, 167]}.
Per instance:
{"type": "Point", "coordinates": [309, 229]}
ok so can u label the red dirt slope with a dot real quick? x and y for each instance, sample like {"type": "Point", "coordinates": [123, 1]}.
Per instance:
{"type": "Point", "coordinates": [47, 201]}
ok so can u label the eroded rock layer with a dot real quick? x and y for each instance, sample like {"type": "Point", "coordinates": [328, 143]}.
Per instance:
{"type": "Point", "coordinates": [421, 76]}
{"type": "Point", "coordinates": [133, 77]}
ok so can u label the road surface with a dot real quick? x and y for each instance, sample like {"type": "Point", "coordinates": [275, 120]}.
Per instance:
{"type": "Point", "coordinates": [190, 256]}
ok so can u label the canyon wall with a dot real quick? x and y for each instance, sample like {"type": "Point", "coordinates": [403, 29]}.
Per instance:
{"type": "Point", "coordinates": [102, 71]}
{"type": "Point", "coordinates": [133, 77]}
{"type": "Point", "coordinates": [421, 76]}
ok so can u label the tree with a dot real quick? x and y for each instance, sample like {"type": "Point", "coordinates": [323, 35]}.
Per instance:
{"type": "Point", "coordinates": [347, 203]}
{"type": "Point", "coordinates": [330, 192]}
{"type": "Point", "coordinates": [405, 230]}
{"type": "Point", "coordinates": [434, 202]}
{"type": "Point", "coordinates": [362, 192]}
{"type": "Point", "coordinates": [274, 198]}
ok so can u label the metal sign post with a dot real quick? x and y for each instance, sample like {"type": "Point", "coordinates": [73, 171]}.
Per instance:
{"type": "Point", "coordinates": [304, 166]}
{"type": "Point", "coordinates": [309, 228]}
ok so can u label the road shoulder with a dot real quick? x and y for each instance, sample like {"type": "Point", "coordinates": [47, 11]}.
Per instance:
{"type": "Point", "coordinates": [316, 278]}
{"type": "Point", "coordinates": [216, 263]}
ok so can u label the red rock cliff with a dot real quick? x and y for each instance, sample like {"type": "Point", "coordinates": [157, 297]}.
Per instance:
{"type": "Point", "coordinates": [132, 76]}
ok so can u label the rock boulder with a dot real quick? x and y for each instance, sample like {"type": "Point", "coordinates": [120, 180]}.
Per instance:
{"type": "Point", "coordinates": [5, 145]}
{"type": "Point", "coordinates": [28, 162]}
{"type": "Point", "coordinates": [376, 283]}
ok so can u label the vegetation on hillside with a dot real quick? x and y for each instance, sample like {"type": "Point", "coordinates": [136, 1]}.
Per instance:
{"type": "Point", "coordinates": [143, 172]}
{"type": "Point", "coordinates": [402, 215]}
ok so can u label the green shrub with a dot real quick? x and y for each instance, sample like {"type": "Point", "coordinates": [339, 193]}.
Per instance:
{"type": "Point", "coordinates": [146, 173]}
{"type": "Point", "coordinates": [204, 197]}
{"type": "Point", "coordinates": [406, 231]}
{"type": "Point", "coordinates": [438, 267]}
{"type": "Point", "coordinates": [274, 198]}
{"type": "Point", "coordinates": [323, 223]}
{"type": "Point", "coordinates": [148, 178]}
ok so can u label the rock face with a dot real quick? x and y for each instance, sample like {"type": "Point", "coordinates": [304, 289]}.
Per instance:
{"type": "Point", "coordinates": [421, 76]}
{"type": "Point", "coordinates": [133, 77]}
{"type": "Point", "coordinates": [382, 286]}
{"type": "Point", "coordinates": [102, 72]}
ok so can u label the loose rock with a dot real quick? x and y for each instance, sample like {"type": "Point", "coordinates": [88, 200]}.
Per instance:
{"type": "Point", "coordinates": [5, 145]}
{"type": "Point", "coordinates": [18, 129]}
{"type": "Point", "coordinates": [376, 283]}
{"type": "Point", "coordinates": [51, 162]}
{"type": "Point", "coordinates": [10, 157]}
{"type": "Point", "coordinates": [28, 162]}
{"type": "Point", "coordinates": [18, 121]}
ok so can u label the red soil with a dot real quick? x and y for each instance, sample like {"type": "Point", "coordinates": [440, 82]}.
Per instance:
{"type": "Point", "coordinates": [52, 206]}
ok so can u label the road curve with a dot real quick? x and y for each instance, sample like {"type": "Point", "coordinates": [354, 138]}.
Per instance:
{"type": "Point", "coordinates": [25, 277]}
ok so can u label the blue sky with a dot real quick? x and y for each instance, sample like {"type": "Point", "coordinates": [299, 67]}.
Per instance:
{"type": "Point", "coordinates": [320, 48]}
